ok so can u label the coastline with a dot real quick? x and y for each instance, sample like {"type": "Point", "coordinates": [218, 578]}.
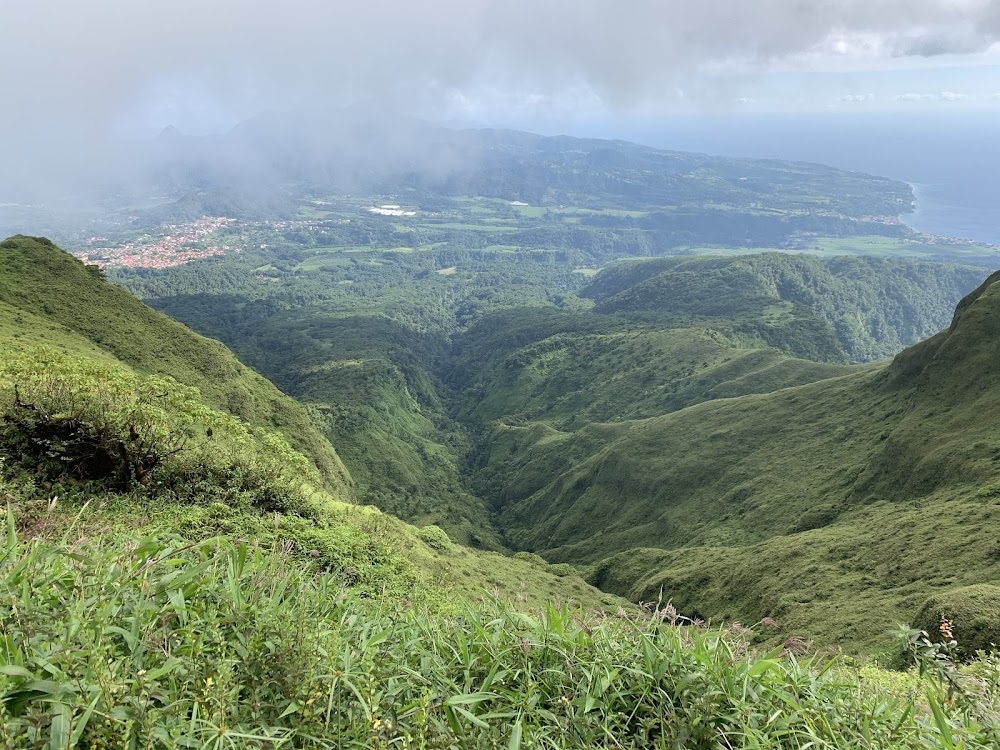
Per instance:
{"type": "Point", "coordinates": [914, 211]}
{"type": "Point", "coordinates": [940, 210]}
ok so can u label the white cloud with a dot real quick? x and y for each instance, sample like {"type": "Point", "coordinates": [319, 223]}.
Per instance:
{"type": "Point", "coordinates": [857, 98]}
{"type": "Point", "coordinates": [941, 96]}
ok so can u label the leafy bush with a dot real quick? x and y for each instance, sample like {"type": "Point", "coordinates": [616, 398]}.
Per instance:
{"type": "Point", "coordinates": [434, 537]}
{"type": "Point", "coordinates": [531, 557]}
{"type": "Point", "coordinates": [562, 570]}
{"type": "Point", "coordinates": [70, 420]}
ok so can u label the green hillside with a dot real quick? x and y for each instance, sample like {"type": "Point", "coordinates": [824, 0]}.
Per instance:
{"type": "Point", "coordinates": [174, 573]}
{"type": "Point", "coordinates": [48, 297]}
{"type": "Point", "coordinates": [815, 505]}
{"type": "Point", "coordinates": [668, 417]}
{"type": "Point", "coordinates": [571, 370]}
{"type": "Point", "coordinates": [111, 410]}
{"type": "Point", "coordinates": [874, 306]}
{"type": "Point", "coordinates": [492, 402]}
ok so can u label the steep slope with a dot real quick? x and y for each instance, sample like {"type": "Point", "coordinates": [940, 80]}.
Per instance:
{"type": "Point", "coordinates": [947, 439]}
{"type": "Point", "coordinates": [49, 297]}
{"type": "Point", "coordinates": [81, 379]}
{"type": "Point", "coordinates": [569, 371]}
{"type": "Point", "coordinates": [846, 499]}
{"type": "Point", "coordinates": [368, 382]}
{"type": "Point", "coordinates": [874, 307]}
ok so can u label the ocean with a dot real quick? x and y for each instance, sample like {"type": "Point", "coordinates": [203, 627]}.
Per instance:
{"type": "Point", "coordinates": [952, 160]}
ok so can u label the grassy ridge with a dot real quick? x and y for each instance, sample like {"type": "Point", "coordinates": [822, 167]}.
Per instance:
{"type": "Point", "coordinates": [49, 297]}
{"type": "Point", "coordinates": [572, 379]}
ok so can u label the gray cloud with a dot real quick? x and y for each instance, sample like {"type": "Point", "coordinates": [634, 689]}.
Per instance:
{"type": "Point", "coordinates": [98, 58]}
{"type": "Point", "coordinates": [960, 41]}
{"type": "Point", "coordinates": [72, 72]}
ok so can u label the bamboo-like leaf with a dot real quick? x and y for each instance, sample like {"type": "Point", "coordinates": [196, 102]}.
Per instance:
{"type": "Point", "coordinates": [515, 736]}
{"type": "Point", "coordinates": [467, 699]}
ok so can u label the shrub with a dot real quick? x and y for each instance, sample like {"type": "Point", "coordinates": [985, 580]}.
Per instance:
{"type": "Point", "coordinates": [434, 537]}
{"type": "Point", "coordinates": [562, 570]}
{"type": "Point", "coordinates": [531, 557]}
{"type": "Point", "coordinates": [69, 420]}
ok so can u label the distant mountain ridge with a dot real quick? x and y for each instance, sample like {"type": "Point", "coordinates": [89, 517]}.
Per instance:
{"type": "Point", "coordinates": [356, 151]}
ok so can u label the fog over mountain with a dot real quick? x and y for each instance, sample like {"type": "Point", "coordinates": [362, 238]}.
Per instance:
{"type": "Point", "coordinates": [85, 74]}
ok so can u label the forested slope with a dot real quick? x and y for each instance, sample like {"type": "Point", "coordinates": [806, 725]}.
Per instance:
{"type": "Point", "coordinates": [875, 306]}
{"type": "Point", "coordinates": [118, 420]}
{"type": "Point", "coordinates": [811, 504]}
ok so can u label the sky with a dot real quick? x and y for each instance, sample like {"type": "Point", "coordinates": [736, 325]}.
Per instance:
{"type": "Point", "coordinates": [87, 70]}
{"type": "Point", "coordinates": [78, 80]}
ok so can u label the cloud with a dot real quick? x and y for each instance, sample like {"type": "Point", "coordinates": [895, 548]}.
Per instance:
{"type": "Point", "coordinates": [941, 96]}
{"type": "Point", "coordinates": [962, 41]}
{"type": "Point", "coordinates": [857, 98]}
{"type": "Point", "coordinates": [73, 72]}
{"type": "Point", "coordinates": [97, 59]}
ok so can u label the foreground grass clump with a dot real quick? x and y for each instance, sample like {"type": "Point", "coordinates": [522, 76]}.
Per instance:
{"type": "Point", "coordinates": [156, 643]}
{"type": "Point", "coordinates": [76, 422]}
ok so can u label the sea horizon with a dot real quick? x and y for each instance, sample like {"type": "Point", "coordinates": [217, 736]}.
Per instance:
{"type": "Point", "coordinates": [952, 161]}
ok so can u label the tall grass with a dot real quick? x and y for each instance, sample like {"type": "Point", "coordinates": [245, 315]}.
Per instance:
{"type": "Point", "coordinates": [155, 643]}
